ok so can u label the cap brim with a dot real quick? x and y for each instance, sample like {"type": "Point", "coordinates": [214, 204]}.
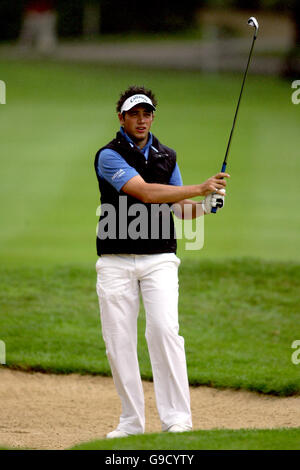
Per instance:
{"type": "Point", "coordinates": [148, 105]}
{"type": "Point", "coordinates": [135, 101]}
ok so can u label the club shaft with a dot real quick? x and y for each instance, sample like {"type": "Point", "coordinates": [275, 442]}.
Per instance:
{"type": "Point", "coordinates": [214, 209]}
{"type": "Point", "coordinates": [238, 105]}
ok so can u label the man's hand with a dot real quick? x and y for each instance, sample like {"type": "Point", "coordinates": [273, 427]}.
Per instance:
{"type": "Point", "coordinates": [214, 184]}
{"type": "Point", "coordinates": [214, 200]}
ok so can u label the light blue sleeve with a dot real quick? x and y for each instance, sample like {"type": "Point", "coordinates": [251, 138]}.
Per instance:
{"type": "Point", "coordinates": [114, 169]}
{"type": "Point", "coordinates": [176, 179]}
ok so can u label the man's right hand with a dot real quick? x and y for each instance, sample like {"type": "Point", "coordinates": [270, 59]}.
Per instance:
{"type": "Point", "coordinates": [215, 184]}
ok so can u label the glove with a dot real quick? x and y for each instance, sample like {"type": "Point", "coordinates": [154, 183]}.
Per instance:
{"type": "Point", "coordinates": [213, 200]}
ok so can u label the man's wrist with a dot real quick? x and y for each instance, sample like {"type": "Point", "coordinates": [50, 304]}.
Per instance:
{"type": "Point", "coordinates": [200, 190]}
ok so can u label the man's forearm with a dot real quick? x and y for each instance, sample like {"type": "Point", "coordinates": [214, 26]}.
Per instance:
{"type": "Point", "coordinates": [157, 193]}
{"type": "Point", "coordinates": [163, 193]}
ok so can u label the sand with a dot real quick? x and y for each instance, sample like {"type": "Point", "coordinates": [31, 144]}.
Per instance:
{"type": "Point", "coordinates": [48, 411]}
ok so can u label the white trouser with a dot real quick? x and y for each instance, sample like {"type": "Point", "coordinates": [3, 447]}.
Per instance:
{"type": "Point", "coordinates": [120, 279]}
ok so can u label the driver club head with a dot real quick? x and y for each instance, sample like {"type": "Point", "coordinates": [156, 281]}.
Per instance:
{"type": "Point", "coordinates": [254, 23]}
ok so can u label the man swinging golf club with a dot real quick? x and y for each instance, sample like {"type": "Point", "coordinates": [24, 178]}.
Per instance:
{"type": "Point", "coordinates": [136, 173]}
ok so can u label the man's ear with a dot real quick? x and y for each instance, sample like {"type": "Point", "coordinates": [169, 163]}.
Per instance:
{"type": "Point", "coordinates": [121, 118]}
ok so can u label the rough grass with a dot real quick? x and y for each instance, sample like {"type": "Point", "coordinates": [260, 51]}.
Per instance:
{"type": "Point", "coordinates": [239, 319]}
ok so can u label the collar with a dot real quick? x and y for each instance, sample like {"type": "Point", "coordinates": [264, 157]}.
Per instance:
{"type": "Point", "coordinates": [144, 149]}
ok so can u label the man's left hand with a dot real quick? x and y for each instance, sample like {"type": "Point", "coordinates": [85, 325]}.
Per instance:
{"type": "Point", "coordinates": [213, 200]}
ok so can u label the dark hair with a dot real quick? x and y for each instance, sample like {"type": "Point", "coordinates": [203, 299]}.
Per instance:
{"type": "Point", "coordinates": [135, 90]}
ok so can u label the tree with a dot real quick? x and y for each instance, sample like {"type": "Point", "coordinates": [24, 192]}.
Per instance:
{"type": "Point", "coordinates": [10, 19]}
{"type": "Point", "coordinates": [70, 17]}
{"type": "Point", "coordinates": [118, 16]}
{"type": "Point", "coordinates": [292, 63]}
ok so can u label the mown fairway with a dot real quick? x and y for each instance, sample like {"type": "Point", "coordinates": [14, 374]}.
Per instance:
{"type": "Point", "coordinates": [57, 116]}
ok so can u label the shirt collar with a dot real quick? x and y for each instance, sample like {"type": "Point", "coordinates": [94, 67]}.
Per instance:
{"type": "Point", "coordinates": [144, 149]}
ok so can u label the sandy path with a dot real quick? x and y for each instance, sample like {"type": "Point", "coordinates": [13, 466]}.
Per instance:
{"type": "Point", "coordinates": [45, 411]}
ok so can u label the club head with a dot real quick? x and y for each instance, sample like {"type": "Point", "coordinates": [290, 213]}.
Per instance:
{"type": "Point", "coordinates": [254, 23]}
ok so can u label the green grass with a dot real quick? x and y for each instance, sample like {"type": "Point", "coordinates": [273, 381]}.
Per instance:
{"type": "Point", "coordinates": [58, 115]}
{"type": "Point", "coordinates": [216, 439]}
{"type": "Point", "coordinates": [239, 297]}
{"type": "Point", "coordinates": [219, 439]}
{"type": "Point", "coordinates": [239, 319]}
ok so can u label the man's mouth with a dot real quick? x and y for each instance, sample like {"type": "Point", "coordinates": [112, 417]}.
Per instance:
{"type": "Point", "coordinates": [141, 129]}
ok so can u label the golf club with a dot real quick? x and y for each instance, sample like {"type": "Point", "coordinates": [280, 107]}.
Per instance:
{"type": "Point", "coordinates": [254, 23]}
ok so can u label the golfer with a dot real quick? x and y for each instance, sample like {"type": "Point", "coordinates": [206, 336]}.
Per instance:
{"type": "Point", "coordinates": [141, 187]}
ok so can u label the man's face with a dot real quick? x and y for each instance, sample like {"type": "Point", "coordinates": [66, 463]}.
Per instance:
{"type": "Point", "coordinates": [137, 123]}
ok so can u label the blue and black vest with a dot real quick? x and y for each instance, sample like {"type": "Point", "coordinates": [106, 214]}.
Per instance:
{"type": "Point", "coordinates": [158, 168]}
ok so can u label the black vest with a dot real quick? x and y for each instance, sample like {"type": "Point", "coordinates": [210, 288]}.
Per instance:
{"type": "Point", "coordinates": [145, 228]}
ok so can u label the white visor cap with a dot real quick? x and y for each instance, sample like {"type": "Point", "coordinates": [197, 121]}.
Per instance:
{"type": "Point", "coordinates": [135, 100]}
